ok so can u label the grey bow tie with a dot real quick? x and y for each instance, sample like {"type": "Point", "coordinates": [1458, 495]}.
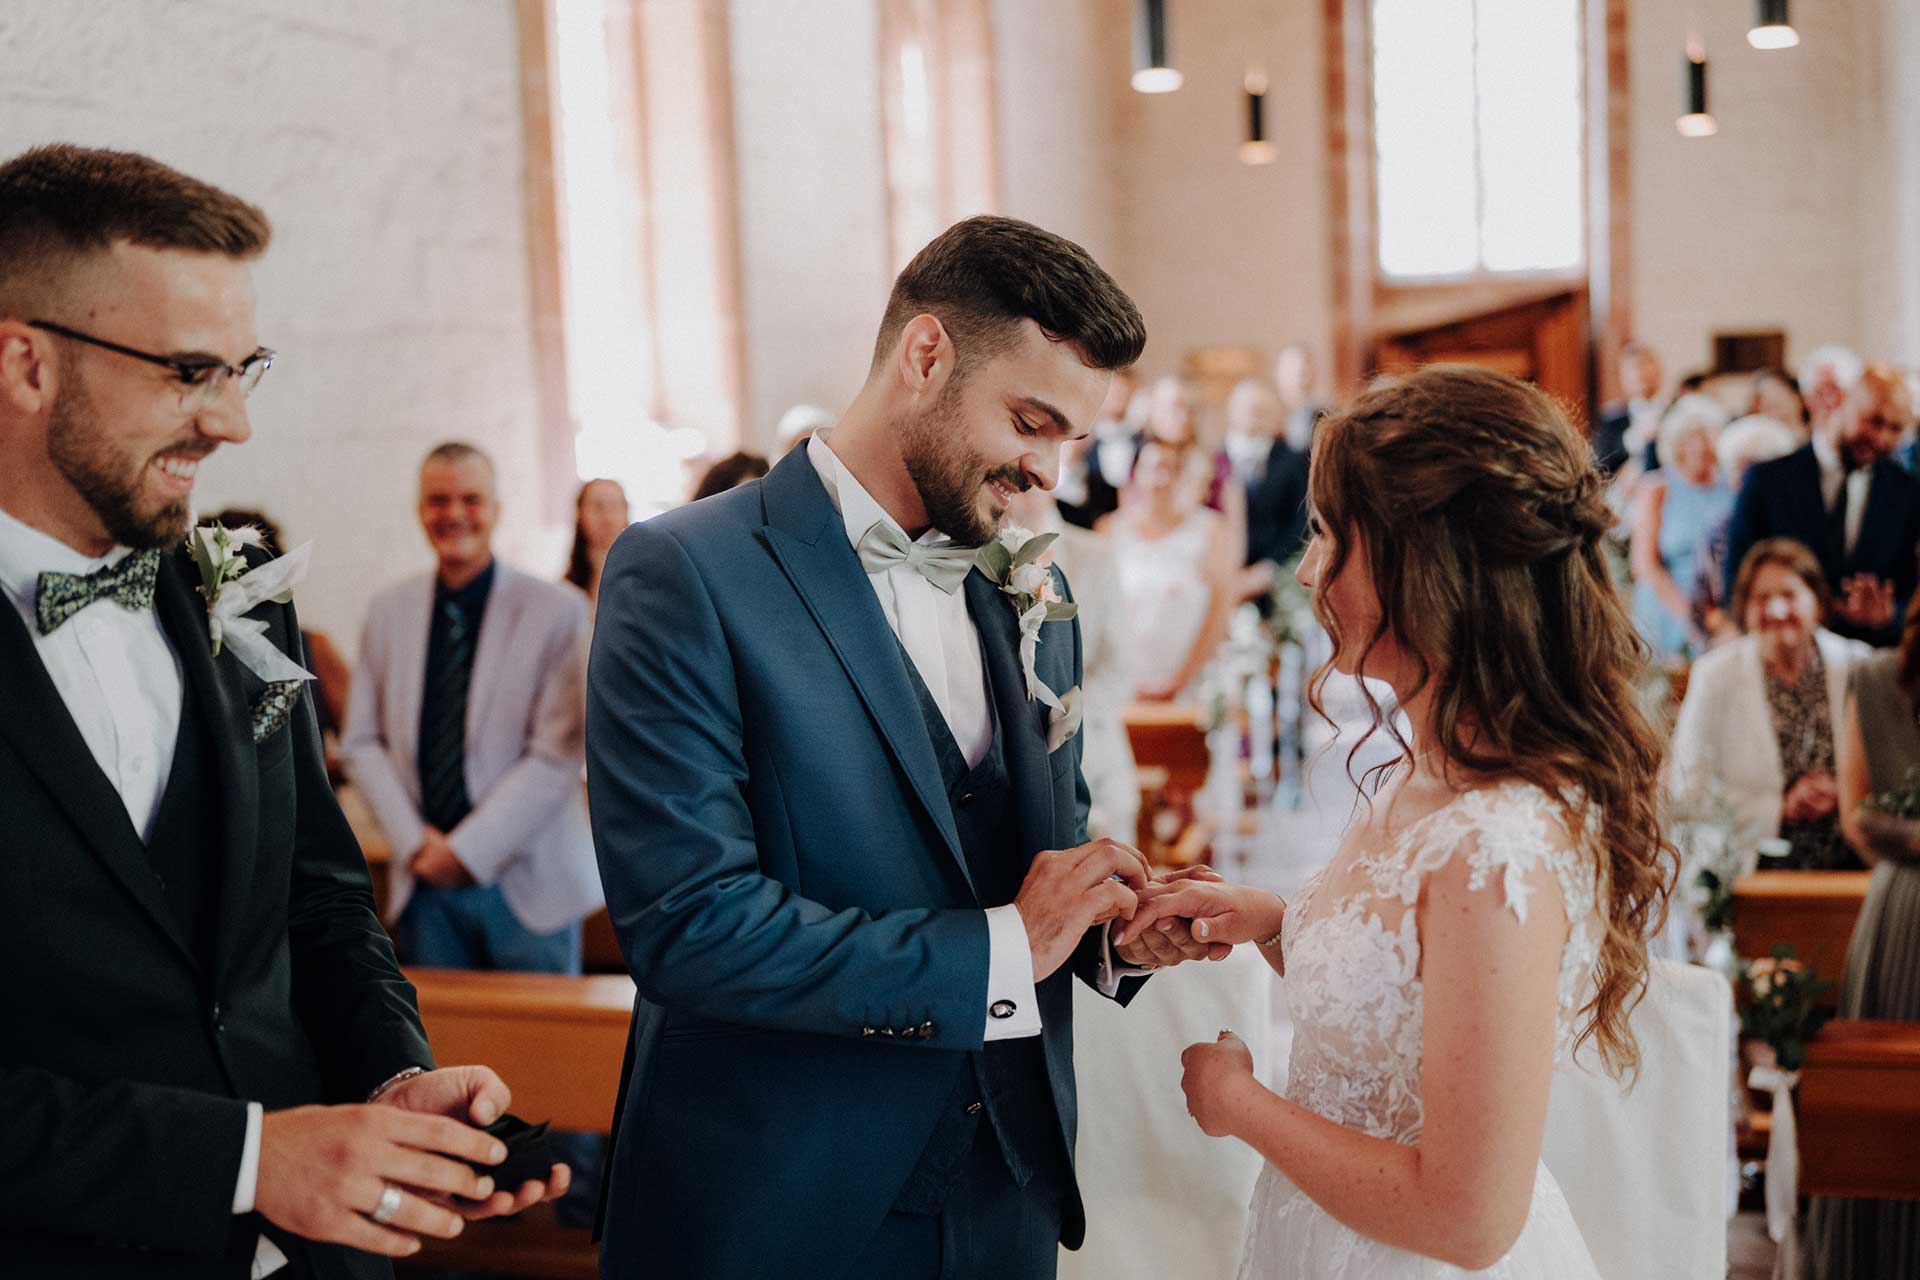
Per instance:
{"type": "Point", "coordinates": [944, 564]}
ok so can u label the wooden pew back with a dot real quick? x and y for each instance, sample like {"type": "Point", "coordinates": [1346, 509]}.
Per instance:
{"type": "Point", "coordinates": [1859, 1111]}
{"type": "Point", "coordinates": [1814, 911]}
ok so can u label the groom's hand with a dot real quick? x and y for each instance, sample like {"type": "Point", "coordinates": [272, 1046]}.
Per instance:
{"type": "Point", "coordinates": [1068, 891]}
{"type": "Point", "coordinates": [480, 1096]}
{"type": "Point", "coordinates": [1172, 942]}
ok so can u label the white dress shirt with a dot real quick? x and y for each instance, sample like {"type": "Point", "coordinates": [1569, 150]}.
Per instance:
{"type": "Point", "coordinates": [122, 684]}
{"type": "Point", "coordinates": [1833, 473]}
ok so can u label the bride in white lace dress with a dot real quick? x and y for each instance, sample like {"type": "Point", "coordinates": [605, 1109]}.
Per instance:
{"type": "Point", "coordinates": [1485, 914]}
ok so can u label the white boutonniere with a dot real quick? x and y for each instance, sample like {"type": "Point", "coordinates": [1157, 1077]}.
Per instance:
{"type": "Point", "coordinates": [232, 590]}
{"type": "Point", "coordinates": [1019, 562]}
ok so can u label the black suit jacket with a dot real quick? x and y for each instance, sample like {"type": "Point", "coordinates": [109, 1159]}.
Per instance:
{"type": "Point", "coordinates": [129, 1055]}
{"type": "Point", "coordinates": [1103, 497]}
{"type": "Point", "coordinates": [1277, 506]}
{"type": "Point", "coordinates": [1782, 499]}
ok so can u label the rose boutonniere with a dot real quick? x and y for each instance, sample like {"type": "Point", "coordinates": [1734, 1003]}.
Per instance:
{"type": "Point", "coordinates": [232, 590]}
{"type": "Point", "coordinates": [1020, 563]}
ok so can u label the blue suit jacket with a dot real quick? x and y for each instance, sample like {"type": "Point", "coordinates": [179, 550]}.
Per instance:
{"type": "Point", "coordinates": [786, 880]}
{"type": "Point", "coordinates": [1781, 499]}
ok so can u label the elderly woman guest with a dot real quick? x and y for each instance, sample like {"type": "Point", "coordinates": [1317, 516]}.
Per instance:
{"type": "Point", "coordinates": [1879, 744]}
{"type": "Point", "coordinates": [1674, 507]}
{"type": "Point", "coordinates": [1758, 722]}
{"type": "Point", "coordinates": [599, 515]}
{"type": "Point", "coordinates": [1754, 438]}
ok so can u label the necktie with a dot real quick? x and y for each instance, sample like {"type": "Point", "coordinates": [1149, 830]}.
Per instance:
{"type": "Point", "coordinates": [1837, 520]}
{"type": "Point", "coordinates": [944, 564]}
{"type": "Point", "coordinates": [443, 725]}
{"type": "Point", "coordinates": [130, 582]}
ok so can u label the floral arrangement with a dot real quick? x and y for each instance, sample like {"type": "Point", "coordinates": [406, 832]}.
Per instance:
{"type": "Point", "coordinates": [1782, 996]}
{"type": "Point", "coordinates": [1020, 563]}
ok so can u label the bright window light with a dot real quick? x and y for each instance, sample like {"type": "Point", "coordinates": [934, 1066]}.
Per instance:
{"type": "Point", "coordinates": [1478, 135]}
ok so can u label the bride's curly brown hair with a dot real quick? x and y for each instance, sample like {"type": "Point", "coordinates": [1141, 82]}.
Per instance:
{"type": "Point", "coordinates": [1480, 513]}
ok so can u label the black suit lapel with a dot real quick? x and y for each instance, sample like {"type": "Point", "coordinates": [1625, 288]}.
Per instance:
{"type": "Point", "coordinates": [47, 740]}
{"type": "Point", "coordinates": [220, 686]}
{"type": "Point", "coordinates": [1023, 723]}
{"type": "Point", "coordinates": [1879, 522]}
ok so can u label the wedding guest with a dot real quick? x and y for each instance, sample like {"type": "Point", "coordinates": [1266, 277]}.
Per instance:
{"type": "Point", "coordinates": [1878, 750]}
{"type": "Point", "coordinates": [1776, 393]}
{"type": "Point", "coordinates": [1275, 481]}
{"type": "Point", "coordinates": [1629, 427]}
{"type": "Point", "coordinates": [1296, 378]}
{"type": "Point", "coordinates": [1754, 438]}
{"type": "Point", "coordinates": [1756, 727]}
{"type": "Point", "coordinates": [1088, 561]}
{"type": "Point", "coordinates": [729, 472]}
{"type": "Point", "coordinates": [1175, 418]}
{"type": "Point", "coordinates": [332, 677]}
{"type": "Point", "coordinates": [1675, 507]}
{"type": "Point", "coordinates": [1826, 376]}
{"type": "Point", "coordinates": [600, 512]}
{"type": "Point", "coordinates": [200, 1002]}
{"type": "Point", "coordinates": [494, 864]}
{"type": "Point", "coordinates": [1177, 563]}
{"type": "Point", "coordinates": [1094, 471]}
{"type": "Point", "coordinates": [1846, 501]}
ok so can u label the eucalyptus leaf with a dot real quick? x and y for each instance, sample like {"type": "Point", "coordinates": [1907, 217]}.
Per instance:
{"type": "Point", "coordinates": [1033, 548]}
{"type": "Point", "coordinates": [1062, 611]}
{"type": "Point", "coordinates": [994, 560]}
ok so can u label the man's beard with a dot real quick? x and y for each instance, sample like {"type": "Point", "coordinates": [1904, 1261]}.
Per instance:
{"type": "Point", "coordinates": [107, 478]}
{"type": "Point", "coordinates": [950, 476]}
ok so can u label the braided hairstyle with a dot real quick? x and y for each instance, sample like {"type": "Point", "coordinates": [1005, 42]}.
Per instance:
{"type": "Point", "coordinates": [1479, 511]}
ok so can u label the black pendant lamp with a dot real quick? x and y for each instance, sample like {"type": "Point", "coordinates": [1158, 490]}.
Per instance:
{"type": "Point", "coordinates": [1698, 122]}
{"type": "Point", "coordinates": [1772, 29]}
{"type": "Point", "coordinates": [1153, 69]}
{"type": "Point", "coordinates": [1256, 149]}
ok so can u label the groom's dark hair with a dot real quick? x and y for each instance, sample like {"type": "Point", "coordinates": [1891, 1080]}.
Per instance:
{"type": "Point", "coordinates": [61, 203]}
{"type": "Point", "coordinates": [980, 278]}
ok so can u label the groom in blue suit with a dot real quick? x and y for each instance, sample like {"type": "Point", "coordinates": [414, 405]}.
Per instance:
{"type": "Point", "coordinates": [842, 841]}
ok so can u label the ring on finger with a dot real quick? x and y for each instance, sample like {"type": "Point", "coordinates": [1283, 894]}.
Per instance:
{"type": "Point", "coordinates": [388, 1207]}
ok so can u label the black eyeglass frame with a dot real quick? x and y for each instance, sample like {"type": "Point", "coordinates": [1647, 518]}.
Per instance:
{"type": "Point", "coordinates": [192, 375]}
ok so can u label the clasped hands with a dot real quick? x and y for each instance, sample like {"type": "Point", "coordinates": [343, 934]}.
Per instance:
{"type": "Point", "coordinates": [1171, 918]}
{"type": "Point", "coordinates": [325, 1169]}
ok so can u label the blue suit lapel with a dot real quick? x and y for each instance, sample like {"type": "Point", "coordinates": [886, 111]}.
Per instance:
{"type": "Point", "coordinates": [1023, 726]}
{"type": "Point", "coordinates": [807, 539]}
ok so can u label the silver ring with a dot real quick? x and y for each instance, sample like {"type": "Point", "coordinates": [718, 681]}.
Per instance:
{"type": "Point", "coordinates": [389, 1205]}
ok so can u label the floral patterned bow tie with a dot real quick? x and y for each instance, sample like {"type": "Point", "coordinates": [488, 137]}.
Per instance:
{"type": "Point", "coordinates": [61, 595]}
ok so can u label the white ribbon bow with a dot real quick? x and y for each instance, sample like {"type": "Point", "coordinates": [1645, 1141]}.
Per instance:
{"type": "Point", "coordinates": [247, 637]}
{"type": "Point", "coordinates": [1065, 712]}
{"type": "Point", "coordinates": [1783, 1150]}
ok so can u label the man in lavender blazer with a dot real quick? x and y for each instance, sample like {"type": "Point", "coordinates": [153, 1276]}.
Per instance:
{"type": "Point", "coordinates": [465, 732]}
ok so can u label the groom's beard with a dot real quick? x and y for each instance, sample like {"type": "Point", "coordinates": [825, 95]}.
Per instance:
{"type": "Point", "coordinates": [951, 478]}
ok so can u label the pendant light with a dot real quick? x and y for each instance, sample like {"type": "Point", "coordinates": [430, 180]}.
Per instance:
{"type": "Point", "coordinates": [1698, 122]}
{"type": "Point", "coordinates": [1256, 149]}
{"type": "Point", "coordinates": [1153, 71]}
{"type": "Point", "coordinates": [1772, 29]}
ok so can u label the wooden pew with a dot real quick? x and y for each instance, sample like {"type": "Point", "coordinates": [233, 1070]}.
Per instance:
{"type": "Point", "coordinates": [1813, 911]}
{"type": "Point", "coordinates": [1859, 1111]}
{"type": "Point", "coordinates": [558, 1042]}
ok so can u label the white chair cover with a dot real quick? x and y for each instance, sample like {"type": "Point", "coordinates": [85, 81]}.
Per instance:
{"type": "Point", "coordinates": [1645, 1170]}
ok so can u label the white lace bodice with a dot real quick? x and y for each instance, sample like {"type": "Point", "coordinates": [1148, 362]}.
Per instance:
{"type": "Point", "coordinates": [1353, 947]}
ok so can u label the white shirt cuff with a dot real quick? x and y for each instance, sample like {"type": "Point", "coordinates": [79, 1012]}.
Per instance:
{"type": "Point", "coordinates": [1013, 1007]}
{"type": "Point", "coordinates": [249, 1180]}
{"type": "Point", "coordinates": [1111, 969]}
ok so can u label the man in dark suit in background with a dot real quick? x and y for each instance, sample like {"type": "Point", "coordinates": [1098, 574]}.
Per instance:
{"type": "Point", "coordinates": [1843, 497]}
{"type": "Point", "coordinates": [186, 925]}
{"type": "Point", "coordinates": [1094, 471]}
{"type": "Point", "coordinates": [1629, 427]}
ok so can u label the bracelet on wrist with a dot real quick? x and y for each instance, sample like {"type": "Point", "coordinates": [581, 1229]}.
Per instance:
{"type": "Point", "coordinates": [407, 1073]}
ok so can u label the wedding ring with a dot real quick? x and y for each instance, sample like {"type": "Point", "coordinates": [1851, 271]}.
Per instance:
{"type": "Point", "coordinates": [389, 1205]}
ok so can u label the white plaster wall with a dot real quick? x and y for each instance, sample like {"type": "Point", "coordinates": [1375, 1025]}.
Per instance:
{"type": "Point", "coordinates": [383, 140]}
{"type": "Point", "coordinates": [1060, 72]}
{"type": "Point", "coordinates": [1757, 227]}
{"type": "Point", "coordinates": [1889, 62]}
{"type": "Point", "coordinates": [1217, 252]}
{"type": "Point", "coordinates": [812, 193]}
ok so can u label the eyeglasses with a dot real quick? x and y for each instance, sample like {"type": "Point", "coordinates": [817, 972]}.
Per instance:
{"type": "Point", "coordinates": [202, 381]}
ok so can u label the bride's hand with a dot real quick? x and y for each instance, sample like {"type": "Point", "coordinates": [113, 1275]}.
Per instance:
{"type": "Point", "coordinates": [1219, 912]}
{"type": "Point", "coordinates": [1216, 1078]}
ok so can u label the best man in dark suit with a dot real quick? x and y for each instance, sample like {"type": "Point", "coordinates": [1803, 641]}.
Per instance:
{"type": "Point", "coordinates": [1844, 498]}
{"type": "Point", "coordinates": [192, 964]}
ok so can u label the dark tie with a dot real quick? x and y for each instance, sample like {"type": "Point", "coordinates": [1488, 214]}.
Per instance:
{"type": "Point", "coordinates": [61, 595]}
{"type": "Point", "coordinates": [1837, 521]}
{"type": "Point", "coordinates": [443, 722]}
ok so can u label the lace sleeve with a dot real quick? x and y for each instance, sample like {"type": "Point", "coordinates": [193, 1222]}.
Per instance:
{"type": "Point", "coordinates": [1513, 838]}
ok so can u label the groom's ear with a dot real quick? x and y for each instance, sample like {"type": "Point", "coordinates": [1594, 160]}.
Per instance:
{"type": "Point", "coordinates": [924, 358]}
